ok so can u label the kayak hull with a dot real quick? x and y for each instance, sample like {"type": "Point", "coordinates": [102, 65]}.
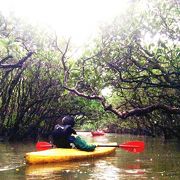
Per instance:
{"type": "Point", "coordinates": [61, 155]}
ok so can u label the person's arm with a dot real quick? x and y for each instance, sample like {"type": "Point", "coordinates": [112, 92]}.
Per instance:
{"type": "Point", "coordinates": [83, 145]}
{"type": "Point", "coordinates": [73, 131]}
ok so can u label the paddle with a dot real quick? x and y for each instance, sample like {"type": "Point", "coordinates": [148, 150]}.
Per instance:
{"type": "Point", "coordinates": [132, 146]}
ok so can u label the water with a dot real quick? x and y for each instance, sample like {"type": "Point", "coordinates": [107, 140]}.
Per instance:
{"type": "Point", "coordinates": [159, 161]}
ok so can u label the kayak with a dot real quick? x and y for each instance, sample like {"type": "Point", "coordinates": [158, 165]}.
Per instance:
{"type": "Point", "coordinates": [62, 154]}
{"type": "Point", "coordinates": [97, 133]}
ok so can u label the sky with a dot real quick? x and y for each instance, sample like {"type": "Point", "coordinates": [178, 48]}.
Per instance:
{"type": "Point", "coordinates": [78, 19]}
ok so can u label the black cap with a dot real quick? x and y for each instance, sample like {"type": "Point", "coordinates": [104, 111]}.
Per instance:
{"type": "Point", "coordinates": [68, 120]}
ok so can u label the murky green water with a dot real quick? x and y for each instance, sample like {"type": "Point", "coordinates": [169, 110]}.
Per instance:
{"type": "Point", "coordinates": [159, 161]}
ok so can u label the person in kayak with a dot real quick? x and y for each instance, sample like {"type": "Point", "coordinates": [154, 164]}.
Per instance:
{"type": "Point", "coordinates": [63, 136]}
{"type": "Point", "coordinates": [62, 133]}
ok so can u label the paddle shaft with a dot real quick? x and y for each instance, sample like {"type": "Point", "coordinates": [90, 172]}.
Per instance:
{"type": "Point", "coordinates": [106, 145]}
{"type": "Point", "coordinates": [132, 146]}
{"type": "Point", "coordinates": [120, 145]}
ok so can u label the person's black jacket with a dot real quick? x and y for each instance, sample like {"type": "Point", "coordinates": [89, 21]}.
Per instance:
{"type": "Point", "coordinates": [61, 135]}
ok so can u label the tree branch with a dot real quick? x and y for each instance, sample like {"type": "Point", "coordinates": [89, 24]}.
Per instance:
{"type": "Point", "coordinates": [149, 109]}
{"type": "Point", "coordinates": [125, 114]}
{"type": "Point", "coordinates": [18, 64]}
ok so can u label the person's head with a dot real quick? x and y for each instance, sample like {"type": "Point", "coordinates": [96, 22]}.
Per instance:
{"type": "Point", "coordinates": [68, 120]}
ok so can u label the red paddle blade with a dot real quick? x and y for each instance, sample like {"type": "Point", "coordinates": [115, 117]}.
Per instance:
{"type": "Point", "coordinates": [43, 145]}
{"type": "Point", "coordinates": [133, 146]}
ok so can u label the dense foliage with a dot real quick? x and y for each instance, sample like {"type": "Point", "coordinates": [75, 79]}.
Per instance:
{"type": "Point", "coordinates": [136, 57]}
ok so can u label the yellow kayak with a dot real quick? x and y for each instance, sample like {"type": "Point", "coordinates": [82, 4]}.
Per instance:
{"type": "Point", "coordinates": [61, 155]}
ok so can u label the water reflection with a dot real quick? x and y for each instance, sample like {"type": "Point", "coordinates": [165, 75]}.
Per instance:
{"type": "Point", "coordinates": [109, 169]}
{"type": "Point", "coordinates": [41, 171]}
{"type": "Point", "coordinates": [11, 157]}
{"type": "Point", "coordinates": [104, 170]}
{"type": "Point", "coordinates": [159, 161]}
{"type": "Point", "coordinates": [97, 169]}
